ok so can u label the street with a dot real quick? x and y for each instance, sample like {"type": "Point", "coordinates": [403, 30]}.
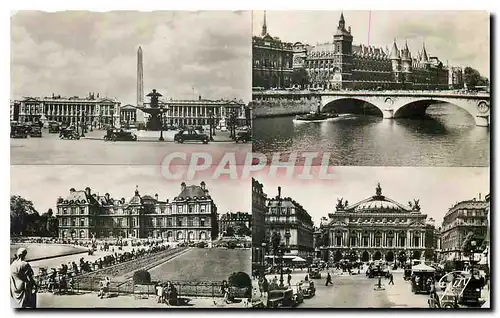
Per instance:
{"type": "Point", "coordinates": [357, 291]}
{"type": "Point", "coordinates": [92, 149]}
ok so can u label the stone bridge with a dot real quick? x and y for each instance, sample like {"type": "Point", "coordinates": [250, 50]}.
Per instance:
{"type": "Point", "coordinates": [396, 104]}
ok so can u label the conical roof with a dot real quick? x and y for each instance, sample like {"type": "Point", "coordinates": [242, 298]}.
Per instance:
{"type": "Point", "coordinates": [425, 58]}
{"type": "Point", "coordinates": [395, 51]}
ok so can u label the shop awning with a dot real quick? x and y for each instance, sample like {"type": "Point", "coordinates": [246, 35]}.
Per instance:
{"type": "Point", "coordinates": [298, 259]}
{"type": "Point", "coordinates": [423, 268]}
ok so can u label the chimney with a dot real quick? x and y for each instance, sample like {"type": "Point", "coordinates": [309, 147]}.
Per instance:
{"type": "Point", "coordinates": [479, 196]}
{"type": "Point", "coordinates": [203, 185]}
{"type": "Point", "coordinates": [183, 186]}
{"type": "Point", "coordinates": [279, 192]}
{"type": "Point", "coordinates": [199, 97]}
{"type": "Point", "coordinates": [156, 197]}
{"type": "Point", "coordinates": [72, 190]}
{"type": "Point", "coordinates": [167, 200]}
{"type": "Point", "coordinates": [87, 191]}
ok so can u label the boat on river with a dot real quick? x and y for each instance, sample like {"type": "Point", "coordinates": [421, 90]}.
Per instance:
{"type": "Point", "coordinates": [315, 117]}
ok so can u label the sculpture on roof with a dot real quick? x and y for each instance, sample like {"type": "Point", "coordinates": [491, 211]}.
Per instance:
{"type": "Point", "coordinates": [340, 204]}
{"type": "Point", "coordinates": [378, 190]}
{"type": "Point", "coordinates": [416, 205]}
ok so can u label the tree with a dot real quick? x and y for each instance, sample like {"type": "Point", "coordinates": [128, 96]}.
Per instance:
{"type": "Point", "coordinates": [229, 231]}
{"type": "Point", "coordinates": [473, 78]}
{"type": "Point", "coordinates": [20, 211]}
{"type": "Point", "coordinates": [300, 77]}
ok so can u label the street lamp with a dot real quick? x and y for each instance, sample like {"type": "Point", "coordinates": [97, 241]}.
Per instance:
{"type": "Point", "coordinates": [281, 252]}
{"type": "Point", "coordinates": [473, 249]}
{"type": "Point", "coordinates": [263, 258]}
{"type": "Point", "coordinates": [162, 111]}
{"type": "Point", "coordinates": [211, 120]}
{"type": "Point", "coordinates": [83, 124]}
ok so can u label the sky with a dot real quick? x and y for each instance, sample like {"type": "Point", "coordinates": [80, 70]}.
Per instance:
{"type": "Point", "coordinates": [436, 188]}
{"type": "Point", "coordinates": [44, 184]}
{"type": "Point", "coordinates": [73, 53]}
{"type": "Point", "coordinates": [460, 37]}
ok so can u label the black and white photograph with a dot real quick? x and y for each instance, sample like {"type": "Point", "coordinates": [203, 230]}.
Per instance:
{"type": "Point", "coordinates": [373, 88]}
{"type": "Point", "coordinates": [126, 237]}
{"type": "Point", "coordinates": [128, 87]}
{"type": "Point", "coordinates": [391, 237]}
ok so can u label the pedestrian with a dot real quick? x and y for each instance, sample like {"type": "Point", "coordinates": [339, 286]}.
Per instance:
{"type": "Point", "coordinates": [265, 286]}
{"type": "Point", "coordinates": [23, 287]}
{"type": "Point", "coordinates": [289, 279]}
{"type": "Point", "coordinates": [391, 279]}
{"type": "Point", "coordinates": [328, 279]}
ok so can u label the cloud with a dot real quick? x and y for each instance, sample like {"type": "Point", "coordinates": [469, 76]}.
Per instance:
{"type": "Point", "coordinates": [72, 53]}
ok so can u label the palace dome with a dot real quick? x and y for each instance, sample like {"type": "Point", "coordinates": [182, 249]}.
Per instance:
{"type": "Point", "coordinates": [377, 204]}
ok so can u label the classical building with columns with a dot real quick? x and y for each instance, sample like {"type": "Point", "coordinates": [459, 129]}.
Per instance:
{"type": "Point", "coordinates": [288, 218]}
{"type": "Point", "coordinates": [191, 216]}
{"type": "Point", "coordinates": [376, 228]}
{"type": "Point", "coordinates": [128, 114]}
{"type": "Point", "coordinates": [92, 109]}
{"type": "Point", "coordinates": [197, 112]}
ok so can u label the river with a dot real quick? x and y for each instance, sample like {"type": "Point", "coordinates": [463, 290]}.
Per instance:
{"type": "Point", "coordinates": [447, 137]}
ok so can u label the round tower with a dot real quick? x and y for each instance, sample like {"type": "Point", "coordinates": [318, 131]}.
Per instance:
{"type": "Point", "coordinates": [395, 58]}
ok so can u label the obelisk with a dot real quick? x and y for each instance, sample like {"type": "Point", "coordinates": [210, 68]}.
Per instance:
{"type": "Point", "coordinates": [140, 86]}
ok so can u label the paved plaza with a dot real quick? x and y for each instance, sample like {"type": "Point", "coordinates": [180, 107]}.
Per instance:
{"type": "Point", "coordinates": [92, 149]}
{"type": "Point", "coordinates": [357, 291]}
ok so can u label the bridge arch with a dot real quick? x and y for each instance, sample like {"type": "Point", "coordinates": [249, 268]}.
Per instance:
{"type": "Point", "coordinates": [478, 110]}
{"type": "Point", "coordinates": [351, 105]}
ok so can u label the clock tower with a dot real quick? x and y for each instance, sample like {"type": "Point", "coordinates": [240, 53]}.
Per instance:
{"type": "Point", "coordinates": [342, 42]}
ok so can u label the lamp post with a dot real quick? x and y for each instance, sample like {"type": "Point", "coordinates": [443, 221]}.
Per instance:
{"type": "Point", "coordinates": [473, 249]}
{"type": "Point", "coordinates": [281, 252]}
{"type": "Point", "coordinates": [112, 119]}
{"type": "Point", "coordinates": [211, 120]}
{"type": "Point", "coordinates": [162, 111]}
{"type": "Point", "coordinates": [263, 259]}
{"type": "Point", "coordinates": [83, 123]}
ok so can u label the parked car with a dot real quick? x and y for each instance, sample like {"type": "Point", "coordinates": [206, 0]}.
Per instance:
{"type": "Point", "coordinates": [190, 135]}
{"type": "Point", "coordinates": [243, 136]}
{"type": "Point", "coordinates": [120, 135]}
{"type": "Point", "coordinates": [54, 127]}
{"type": "Point", "coordinates": [69, 133]}
{"type": "Point", "coordinates": [281, 298]}
{"type": "Point", "coordinates": [314, 272]}
{"type": "Point", "coordinates": [36, 131]}
{"type": "Point", "coordinates": [18, 131]}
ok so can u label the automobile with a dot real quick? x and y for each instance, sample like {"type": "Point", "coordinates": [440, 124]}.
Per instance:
{"type": "Point", "coordinates": [298, 295]}
{"type": "Point", "coordinates": [243, 136]}
{"type": "Point", "coordinates": [120, 135]}
{"type": "Point", "coordinates": [36, 131]}
{"type": "Point", "coordinates": [18, 131]}
{"type": "Point", "coordinates": [281, 298]}
{"type": "Point", "coordinates": [314, 272]}
{"type": "Point", "coordinates": [69, 134]}
{"type": "Point", "coordinates": [190, 135]}
{"type": "Point", "coordinates": [307, 287]}
{"type": "Point", "coordinates": [54, 127]}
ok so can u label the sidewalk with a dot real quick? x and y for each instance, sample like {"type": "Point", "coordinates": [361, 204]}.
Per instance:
{"type": "Point", "coordinates": [91, 300]}
{"type": "Point", "coordinates": [152, 136]}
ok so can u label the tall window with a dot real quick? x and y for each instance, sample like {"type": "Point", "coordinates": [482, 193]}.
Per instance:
{"type": "Point", "coordinates": [82, 222]}
{"type": "Point", "coordinates": [179, 221]}
{"type": "Point", "coordinates": [202, 222]}
{"type": "Point", "coordinates": [190, 209]}
{"type": "Point", "coordinates": [169, 222]}
{"type": "Point", "coordinates": [190, 221]}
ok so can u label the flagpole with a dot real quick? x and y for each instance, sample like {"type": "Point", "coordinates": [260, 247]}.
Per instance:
{"type": "Point", "coordinates": [369, 25]}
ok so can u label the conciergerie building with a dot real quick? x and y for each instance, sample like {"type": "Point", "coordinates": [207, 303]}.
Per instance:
{"type": "Point", "coordinates": [191, 216]}
{"type": "Point", "coordinates": [340, 64]}
{"type": "Point", "coordinates": [377, 228]}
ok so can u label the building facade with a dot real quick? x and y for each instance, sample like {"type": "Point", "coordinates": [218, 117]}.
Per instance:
{"type": "Point", "coordinates": [239, 222]}
{"type": "Point", "coordinates": [340, 64]}
{"type": "Point", "coordinates": [14, 110]}
{"type": "Point", "coordinates": [259, 211]}
{"type": "Point", "coordinates": [191, 216]}
{"type": "Point", "coordinates": [377, 228]}
{"type": "Point", "coordinates": [272, 61]}
{"type": "Point", "coordinates": [295, 226]}
{"type": "Point", "coordinates": [92, 110]}
{"type": "Point", "coordinates": [463, 219]}
{"type": "Point", "coordinates": [128, 115]}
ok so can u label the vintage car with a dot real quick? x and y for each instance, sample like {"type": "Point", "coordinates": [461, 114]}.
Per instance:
{"type": "Point", "coordinates": [190, 135]}
{"type": "Point", "coordinates": [314, 272]}
{"type": "Point", "coordinates": [18, 131]}
{"type": "Point", "coordinates": [69, 133]}
{"type": "Point", "coordinates": [243, 136]}
{"type": "Point", "coordinates": [36, 131]}
{"type": "Point", "coordinates": [281, 298]}
{"type": "Point", "coordinates": [307, 288]}
{"type": "Point", "coordinates": [54, 127]}
{"type": "Point", "coordinates": [120, 135]}
{"type": "Point", "coordinates": [376, 271]}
